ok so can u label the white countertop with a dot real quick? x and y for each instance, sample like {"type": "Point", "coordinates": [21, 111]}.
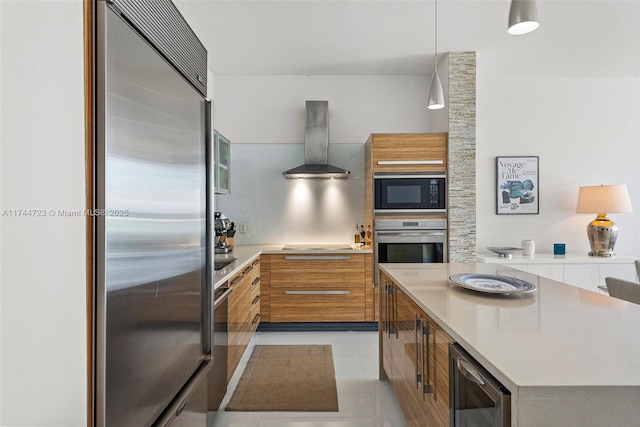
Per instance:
{"type": "Point", "coordinates": [556, 259]}
{"type": "Point", "coordinates": [559, 335]}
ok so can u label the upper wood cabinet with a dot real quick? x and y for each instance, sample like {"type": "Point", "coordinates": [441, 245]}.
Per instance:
{"type": "Point", "coordinates": [408, 152]}
{"type": "Point", "coordinates": [402, 153]}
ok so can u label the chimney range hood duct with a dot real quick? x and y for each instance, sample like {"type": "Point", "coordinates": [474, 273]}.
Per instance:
{"type": "Point", "coordinates": [316, 145]}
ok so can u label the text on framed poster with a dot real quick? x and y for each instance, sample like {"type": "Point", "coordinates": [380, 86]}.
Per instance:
{"type": "Point", "coordinates": [517, 185]}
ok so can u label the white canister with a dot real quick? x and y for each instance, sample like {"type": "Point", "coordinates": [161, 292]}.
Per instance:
{"type": "Point", "coordinates": [528, 247]}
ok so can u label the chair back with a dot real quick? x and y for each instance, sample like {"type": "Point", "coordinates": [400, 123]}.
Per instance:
{"type": "Point", "coordinates": [623, 289]}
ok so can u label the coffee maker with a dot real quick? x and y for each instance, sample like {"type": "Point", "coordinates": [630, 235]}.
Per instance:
{"type": "Point", "coordinates": [224, 228]}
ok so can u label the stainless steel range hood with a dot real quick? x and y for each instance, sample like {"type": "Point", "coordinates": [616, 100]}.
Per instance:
{"type": "Point", "coordinates": [316, 145]}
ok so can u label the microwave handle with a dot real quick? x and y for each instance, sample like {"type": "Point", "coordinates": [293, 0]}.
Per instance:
{"type": "Point", "coordinates": [408, 175]}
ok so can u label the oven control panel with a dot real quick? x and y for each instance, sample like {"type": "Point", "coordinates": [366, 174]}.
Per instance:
{"type": "Point", "coordinates": [413, 224]}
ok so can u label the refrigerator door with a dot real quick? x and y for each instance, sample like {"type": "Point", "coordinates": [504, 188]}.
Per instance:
{"type": "Point", "coordinates": [150, 229]}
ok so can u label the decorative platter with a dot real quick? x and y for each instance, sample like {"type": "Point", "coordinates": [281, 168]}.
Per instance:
{"type": "Point", "coordinates": [493, 284]}
{"type": "Point", "coordinates": [504, 251]}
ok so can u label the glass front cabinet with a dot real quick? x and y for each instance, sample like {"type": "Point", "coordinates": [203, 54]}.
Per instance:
{"type": "Point", "coordinates": [222, 166]}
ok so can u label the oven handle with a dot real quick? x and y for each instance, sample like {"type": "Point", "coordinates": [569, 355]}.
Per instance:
{"type": "Point", "coordinates": [411, 233]}
{"type": "Point", "coordinates": [469, 372]}
{"type": "Point", "coordinates": [433, 236]}
{"type": "Point", "coordinates": [220, 298]}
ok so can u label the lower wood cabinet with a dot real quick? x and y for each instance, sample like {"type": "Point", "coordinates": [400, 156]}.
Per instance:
{"type": "Point", "coordinates": [244, 313]}
{"type": "Point", "coordinates": [317, 288]}
{"type": "Point", "coordinates": [414, 357]}
{"type": "Point", "coordinates": [370, 290]}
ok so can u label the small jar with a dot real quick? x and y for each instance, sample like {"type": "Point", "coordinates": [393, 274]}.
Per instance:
{"type": "Point", "coordinates": [528, 247]}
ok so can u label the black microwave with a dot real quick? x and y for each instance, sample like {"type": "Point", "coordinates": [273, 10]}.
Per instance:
{"type": "Point", "coordinates": [410, 193]}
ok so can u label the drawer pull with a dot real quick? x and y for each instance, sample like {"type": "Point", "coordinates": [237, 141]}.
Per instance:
{"type": "Point", "coordinates": [317, 292]}
{"type": "Point", "coordinates": [254, 263]}
{"type": "Point", "coordinates": [255, 319]}
{"type": "Point", "coordinates": [255, 300]}
{"type": "Point", "coordinates": [256, 281]}
{"type": "Point", "coordinates": [426, 362]}
{"type": "Point", "coordinates": [317, 257]}
{"type": "Point", "coordinates": [236, 279]}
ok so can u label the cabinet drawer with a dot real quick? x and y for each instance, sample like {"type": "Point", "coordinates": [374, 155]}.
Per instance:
{"type": "Point", "coordinates": [265, 287]}
{"type": "Point", "coordinates": [317, 271]}
{"type": "Point", "coordinates": [239, 299]}
{"type": "Point", "coordinates": [323, 305]}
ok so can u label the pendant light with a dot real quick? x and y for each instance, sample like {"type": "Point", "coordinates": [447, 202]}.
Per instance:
{"type": "Point", "coordinates": [523, 17]}
{"type": "Point", "coordinates": [436, 94]}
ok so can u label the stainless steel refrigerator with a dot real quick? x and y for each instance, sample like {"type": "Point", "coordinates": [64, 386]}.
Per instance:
{"type": "Point", "coordinates": [153, 316]}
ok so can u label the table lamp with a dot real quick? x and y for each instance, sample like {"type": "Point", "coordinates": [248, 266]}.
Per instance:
{"type": "Point", "coordinates": [598, 199]}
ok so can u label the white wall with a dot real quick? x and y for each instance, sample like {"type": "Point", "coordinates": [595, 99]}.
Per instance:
{"type": "Point", "coordinates": [270, 109]}
{"type": "Point", "coordinates": [42, 276]}
{"type": "Point", "coordinates": [573, 98]}
{"type": "Point", "coordinates": [569, 93]}
{"type": "Point", "coordinates": [255, 110]}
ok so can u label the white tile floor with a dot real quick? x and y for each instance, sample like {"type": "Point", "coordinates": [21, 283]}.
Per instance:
{"type": "Point", "coordinates": [363, 399]}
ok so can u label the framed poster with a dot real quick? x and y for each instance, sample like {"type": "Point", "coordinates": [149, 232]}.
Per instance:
{"type": "Point", "coordinates": [517, 185]}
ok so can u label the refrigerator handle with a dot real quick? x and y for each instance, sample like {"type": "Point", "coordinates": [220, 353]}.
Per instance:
{"type": "Point", "coordinates": [208, 112]}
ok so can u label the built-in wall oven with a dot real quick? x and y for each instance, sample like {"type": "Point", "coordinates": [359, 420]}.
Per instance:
{"type": "Point", "coordinates": [409, 193]}
{"type": "Point", "coordinates": [476, 398]}
{"type": "Point", "coordinates": [409, 241]}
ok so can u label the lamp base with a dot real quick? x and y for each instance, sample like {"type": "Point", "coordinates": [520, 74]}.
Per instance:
{"type": "Point", "coordinates": [602, 234]}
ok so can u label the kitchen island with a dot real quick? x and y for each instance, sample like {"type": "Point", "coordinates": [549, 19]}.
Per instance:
{"type": "Point", "coordinates": [569, 356]}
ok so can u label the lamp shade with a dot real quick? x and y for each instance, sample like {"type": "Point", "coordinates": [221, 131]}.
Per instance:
{"type": "Point", "coordinates": [436, 93]}
{"type": "Point", "coordinates": [604, 199]}
{"type": "Point", "coordinates": [523, 17]}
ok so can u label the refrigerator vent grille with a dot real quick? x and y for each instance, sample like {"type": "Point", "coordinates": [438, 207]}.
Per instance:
{"type": "Point", "coordinates": [163, 25]}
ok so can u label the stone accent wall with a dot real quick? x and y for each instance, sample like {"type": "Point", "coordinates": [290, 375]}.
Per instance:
{"type": "Point", "coordinates": [462, 156]}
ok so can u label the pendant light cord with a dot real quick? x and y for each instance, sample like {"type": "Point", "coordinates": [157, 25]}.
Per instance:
{"type": "Point", "coordinates": [436, 32]}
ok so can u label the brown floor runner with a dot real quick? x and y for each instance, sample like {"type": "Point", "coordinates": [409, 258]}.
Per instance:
{"type": "Point", "coordinates": [287, 378]}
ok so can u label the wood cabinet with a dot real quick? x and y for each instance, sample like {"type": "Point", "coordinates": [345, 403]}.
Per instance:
{"type": "Point", "coordinates": [399, 153]}
{"type": "Point", "coordinates": [317, 287]}
{"type": "Point", "coordinates": [402, 153]}
{"type": "Point", "coordinates": [265, 288]}
{"type": "Point", "coordinates": [386, 324]}
{"type": "Point", "coordinates": [244, 313]}
{"type": "Point", "coordinates": [408, 152]}
{"type": "Point", "coordinates": [370, 291]}
{"type": "Point", "coordinates": [415, 357]}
